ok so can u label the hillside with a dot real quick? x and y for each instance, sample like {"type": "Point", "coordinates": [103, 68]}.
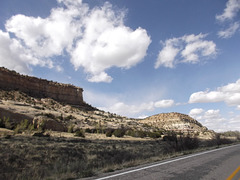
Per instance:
{"type": "Point", "coordinates": [46, 108]}
{"type": "Point", "coordinates": [179, 123]}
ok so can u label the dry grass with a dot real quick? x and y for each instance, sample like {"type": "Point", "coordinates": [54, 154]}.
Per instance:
{"type": "Point", "coordinates": [24, 157]}
{"type": "Point", "coordinates": [57, 157]}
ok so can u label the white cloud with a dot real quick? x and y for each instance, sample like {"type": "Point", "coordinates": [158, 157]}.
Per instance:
{"type": "Point", "coordinates": [34, 40]}
{"type": "Point", "coordinates": [229, 32]}
{"type": "Point", "coordinates": [231, 10]}
{"type": "Point", "coordinates": [46, 37]}
{"type": "Point", "coordinates": [16, 57]}
{"type": "Point", "coordinates": [133, 110]}
{"type": "Point", "coordinates": [114, 103]}
{"type": "Point", "coordinates": [129, 110]}
{"type": "Point", "coordinates": [166, 56]}
{"type": "Point", "coordinates": [164, 103]}
{"type": "Point", "coordinates": [230, 94]}
{"type": "Point", "coordinates": [95, 39]}
{"type": "Point", "coordinates": [212, 119]}
{"type": "Point", "coordinates": [196, 112]}
{"type": "Point", "coordinates": [107, 43]}
{"type": "Point", "coordinates": [185, 49]}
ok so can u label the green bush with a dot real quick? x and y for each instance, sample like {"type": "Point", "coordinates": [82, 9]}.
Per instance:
{"type": "Point", "coordinates": [68, 118]}
{"type": "Point", "coordinates": [70, 128]}
{"type": "Point", "coordinates": [24, 125]}
{"type": "Point", "coordinates": [2, 123]}
{"type": "Point", "coordinates": [119, 132]}
{"type": "Point", "coordinates": [91, 130]}
{"type": "Point", "coordinates": [49, 115]}
{"type": "Point", "coordinates": [80, 133]}
{"type": "Point", "coordinates": [136, 133]}
{"type": "Point", "coordinates": [154, 135]}
{"type": "Point", "coordinates": [109, 132]}
{"type": "Point", "coordinates": [5, 123]}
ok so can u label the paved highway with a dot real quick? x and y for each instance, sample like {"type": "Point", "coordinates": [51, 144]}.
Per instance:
{"type": "Point", "coordinates": [219, 164]}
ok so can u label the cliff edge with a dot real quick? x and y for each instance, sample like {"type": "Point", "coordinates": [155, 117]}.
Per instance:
{"type": "Point", "coordinates": [41, 88]}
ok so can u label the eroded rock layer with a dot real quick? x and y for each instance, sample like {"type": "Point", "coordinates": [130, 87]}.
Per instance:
{"type": "Point", "coordinates": [41, 88]}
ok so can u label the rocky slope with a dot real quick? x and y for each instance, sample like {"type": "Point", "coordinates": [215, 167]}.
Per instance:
{"type": "Point", "coordinates": [58, 107]}
{"type": "Point", "coordinates": [35, 87]}
{"type": "Point", "coordinates": [179, 123]}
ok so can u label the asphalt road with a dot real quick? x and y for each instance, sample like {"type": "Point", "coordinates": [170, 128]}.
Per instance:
{"type": "Point", "coordinates": [219, 164]}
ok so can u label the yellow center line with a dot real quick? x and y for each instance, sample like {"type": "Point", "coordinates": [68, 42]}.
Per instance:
{"type": "Point", "coordinates": [233, 174]}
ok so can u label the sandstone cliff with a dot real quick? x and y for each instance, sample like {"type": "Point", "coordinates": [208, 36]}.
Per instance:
{"type": "Point", "coordinates": [40, 88]}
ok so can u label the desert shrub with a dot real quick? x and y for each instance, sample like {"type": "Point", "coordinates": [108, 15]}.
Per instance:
{"type": "Point", "coordinates": [88, 130]}
{"type": "Point", "coordinates": [232, 134]}
{"type": "Point", "coordinates": [140, 134]}
{"type": "Point", "coordinates": [69, 118]}
{"type": "Point", "coordinates": [49, 115]}
{"type": "Point", "coordinates": [61, 117]}
{"type": "Point", "coordinates": [225, 141]}
{"type": "Point", "coordinates": [154, 134]}
{"type": "Point", "coordinates": [5, 123]}
{"type": "Point", "coordinates": [109, 132]}
{"type": "Point", "coordinates": [24, 125]}
{"type": "Point", "coordinates": [119, 132]}
{"type": "Point", "coordinates": [2, 123]}
{"type": "Point", "coordinates": [170, 136]}
{"type": "Point", "coordinates": [70, 128]}
{"type": "Point", "coordinates": [136, 133]}
{"type": "Point", "coordinates": [130, 132]}
{"type": "Point", "coordinates": [221, 141]}
{"type": "Point", "coordinates": [189, 143]}
{"type": "Point", "coordinates": [80, 133]}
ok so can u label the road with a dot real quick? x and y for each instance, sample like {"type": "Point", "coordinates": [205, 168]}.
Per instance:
{"type": "Point", "coordinates": [219, 164]}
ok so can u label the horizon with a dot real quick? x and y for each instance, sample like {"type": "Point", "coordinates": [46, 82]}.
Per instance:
{"type": "Point", "coordinates": [132, 58]}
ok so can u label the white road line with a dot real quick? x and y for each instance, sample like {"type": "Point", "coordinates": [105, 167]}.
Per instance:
{"type": "Point", "coordinates": [166, 162]}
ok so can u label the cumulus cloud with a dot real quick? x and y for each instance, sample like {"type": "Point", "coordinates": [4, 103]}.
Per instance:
{"type": "Point", "coordinates": [107, 43]}
{"type": "Point", "coordinates": [213, 119]}
{"type": "Point", "coordinates": [95, 39]}
{"type": "Point", "coordinates": [230, 94]}
{"type": "Point", "coordinates": [35, 41]}
{"type": "Point", "coordinates": [164, 103]}
{"type": "Point", "coordinates": [122, 108]}
{"type": "Point", "coordinates": [185, 49]}
{"type": "Point", "coordinates": [16, 57]}
{"type": "Point", "coordinates": [229, 32]}
{"type": "Point", "coordinates": [230, 12]}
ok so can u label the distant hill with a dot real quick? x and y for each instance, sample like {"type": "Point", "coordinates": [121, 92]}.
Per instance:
{"type": "Point", "coordinates": [58, 107]}
{"type": "Point", "coordinates": [178, 122]}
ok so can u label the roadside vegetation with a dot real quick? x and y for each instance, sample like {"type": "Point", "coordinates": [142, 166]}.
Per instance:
{"type": "Point", "coordinates": [30, 152]}
{"type": "Point", "coordinates": [89, 143]}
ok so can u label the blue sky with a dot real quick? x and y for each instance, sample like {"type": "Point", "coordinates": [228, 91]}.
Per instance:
{"type": "Point", "coordinates": [134, 58]}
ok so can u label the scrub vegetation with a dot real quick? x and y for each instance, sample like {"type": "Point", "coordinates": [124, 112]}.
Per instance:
{"type": "Point", "coordinates": [43, 156]}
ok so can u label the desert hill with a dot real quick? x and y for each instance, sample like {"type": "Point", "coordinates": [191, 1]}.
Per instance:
{"type": "Point", "coordinates": [177, 122]}
{"type": "Point", "coordinates": [60, 107]}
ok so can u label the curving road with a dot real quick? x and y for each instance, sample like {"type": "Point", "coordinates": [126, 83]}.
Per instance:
{"type": "Point", "coordinates": [219, 164]}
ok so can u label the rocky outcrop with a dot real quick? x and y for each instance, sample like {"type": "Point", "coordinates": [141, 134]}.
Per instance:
{"type": "Point", "coordinates": [40, 88]}
{"type": "Point", "coordinates": [48, 124]}
{"type": "Point", "coordinates": [174, 122]}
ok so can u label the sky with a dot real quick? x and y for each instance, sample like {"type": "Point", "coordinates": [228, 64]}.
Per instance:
{"type": "Point", "coordinates": [134, 58]}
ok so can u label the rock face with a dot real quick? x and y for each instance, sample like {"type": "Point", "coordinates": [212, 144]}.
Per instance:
{"type": "Point", "coordinates": [48, 123]}
{"type": "Point", "coordinates": [175, 122]}
{"type": "Point", "coordinates": [40, 88]}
